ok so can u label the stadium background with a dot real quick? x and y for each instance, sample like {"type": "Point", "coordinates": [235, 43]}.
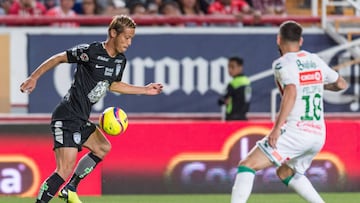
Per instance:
{"type": "Point", "coordinates": [177, 142]}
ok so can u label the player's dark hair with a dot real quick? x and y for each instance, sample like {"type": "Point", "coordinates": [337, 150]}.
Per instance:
{"type": "Point", "coordinates": [237, 60]}
{"type": "Point", "coordinates": [119, 22]}
{"type": "Point", "coordinates": [290, 31]}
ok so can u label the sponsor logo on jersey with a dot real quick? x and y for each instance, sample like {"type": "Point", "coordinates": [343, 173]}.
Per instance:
{"type": "Point", "coordinates": [99, 66]}
{"type": "Point", "coordinates": [102, 58]}
{"type": "Point", "coordinates": [109, 71]}
{"type": "Point", "coordinates": [310, 77]}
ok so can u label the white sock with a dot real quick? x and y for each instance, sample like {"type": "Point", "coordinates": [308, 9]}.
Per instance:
{"type": "Point", "coordinates": [304, 188]}
{"type": "Point", "coordinates": [243, 184]}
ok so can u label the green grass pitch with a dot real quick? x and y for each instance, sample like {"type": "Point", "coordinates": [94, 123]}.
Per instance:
{"type": "Point", "coordinates": [199, 198]}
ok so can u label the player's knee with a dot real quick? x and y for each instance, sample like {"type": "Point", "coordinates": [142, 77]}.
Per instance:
{"type": "Point", "coordinates": [284, 172]}
{"type": "Point", "coordinates": [102, 149]}
{"type": "Point", "coordinates": [105, 148]}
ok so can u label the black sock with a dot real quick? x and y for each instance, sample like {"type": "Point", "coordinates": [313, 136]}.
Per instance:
{"type": "Point", "coordinates": [84, 167]}
{"type": "Point", "coordinates": [49, 188]}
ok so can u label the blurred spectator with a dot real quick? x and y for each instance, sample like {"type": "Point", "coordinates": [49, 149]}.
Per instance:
{"type": "Point", "coordinates": [63, 10]}
{"type": "Point", "coordinates": [169, 8]}
{"type": "Point", "coordinates": [5, 6]}
{"type": "Point", "coordinates": [137, 8]}
{"type": "Point", "coordinates": [249, 2]}
{"type": "Point", "coordinates": [116, 7]}
{"type": "Point", "coordinates": [204, 5]}
{"type": "Point", "coordinates": [269, 7]}
{"type": "Point", "coordinates": [190, 7]}
{"type": "Point", "coordinates": [234, 7]}
{"type": "Point", "coordinates": [153, 6]}
{"type": "Point", "coordinates": [90, 7]}
{"type": "Point", "coordinates": [49, 4]}
{"type": "Point", "coordinates": [27, 8]}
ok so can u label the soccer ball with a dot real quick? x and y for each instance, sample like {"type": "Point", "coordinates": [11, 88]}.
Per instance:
{"type": "Point", "coordinates": [113, 121]}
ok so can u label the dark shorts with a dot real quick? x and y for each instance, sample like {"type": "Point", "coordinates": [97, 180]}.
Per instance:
{"type": "Point", "coordinates": [70, 131]}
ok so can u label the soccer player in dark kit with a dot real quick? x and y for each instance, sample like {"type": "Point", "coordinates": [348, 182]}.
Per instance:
{"type": "Point", "coordinates": [100, 66]}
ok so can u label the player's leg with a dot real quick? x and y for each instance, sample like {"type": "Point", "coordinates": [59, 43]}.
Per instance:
{"type": "Point", "coordinates": [65, 162]}
{"type": "Point", "coordinates": [299, 183]}
{"type": "Point", "coordinates": [244, 179]}
{"type": "Point", "coordinates": [99, 146]}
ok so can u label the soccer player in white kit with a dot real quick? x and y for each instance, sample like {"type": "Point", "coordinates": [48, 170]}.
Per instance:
{"type": "Point", "coordinates": [298, 133]}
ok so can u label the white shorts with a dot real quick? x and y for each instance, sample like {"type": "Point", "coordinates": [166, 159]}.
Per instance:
{"type": "Point", "coordinates": [295, 148]}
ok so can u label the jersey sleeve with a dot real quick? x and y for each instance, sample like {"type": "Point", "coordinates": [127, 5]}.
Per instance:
{"type": "Point", "coordinates": [282, 73]}
{"type": "Point", "coordinates": [78, 54]}
{"type": "Point", "coordinates": [330, 75]}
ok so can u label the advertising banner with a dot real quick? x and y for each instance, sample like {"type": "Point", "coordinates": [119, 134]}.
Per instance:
{"type": "Point", "coordinates": [178, 157]}
{"type": "Point", "coordinates": [192, 67]}
{"type": "Point", "coordinates": [202, 157]}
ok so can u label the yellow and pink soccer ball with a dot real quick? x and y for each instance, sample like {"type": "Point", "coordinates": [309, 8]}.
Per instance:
{"type": "Point", "coordinates": [113, 121]}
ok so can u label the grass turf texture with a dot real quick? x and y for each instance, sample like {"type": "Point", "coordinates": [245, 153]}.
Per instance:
{"type": "Point", "coordinates": [199, 198]}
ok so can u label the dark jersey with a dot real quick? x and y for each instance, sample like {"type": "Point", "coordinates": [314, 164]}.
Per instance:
{"type": "Point", "coordinates": [94, 73]}
{"type": "Point", "coordinates": [239, 94]}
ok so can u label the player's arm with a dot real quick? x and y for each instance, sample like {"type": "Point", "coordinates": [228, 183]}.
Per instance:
{"type": "Point", "coordinates": [287, 104]}
{"type": "Point", "coordinates": [125, 88]}
{"type": "Point", "coordinates": [225, 98]}
{"type": "Point", "coordinates": [339, 84]}
{"type": "Point", "coordinates": [30, 83]}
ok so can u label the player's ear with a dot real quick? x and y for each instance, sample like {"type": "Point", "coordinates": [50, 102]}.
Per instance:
{"type": "Point", "coordinates": [278, 40]}
{"type": "Point", "coordinates": [113, 33]}
{"type": "Point", "coordinates": [301, 41]}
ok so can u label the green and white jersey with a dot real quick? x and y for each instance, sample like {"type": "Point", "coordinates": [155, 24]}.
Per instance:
{"type": "Point", "coordinates": [309, 73]}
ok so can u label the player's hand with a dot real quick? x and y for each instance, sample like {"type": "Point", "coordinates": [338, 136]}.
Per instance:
{"type": "Point", "coordinates": [273, 137]}
{"type": "Point", "coordinates": [153, 89]}
{"type": "Point", "coordinates": [28, 85]}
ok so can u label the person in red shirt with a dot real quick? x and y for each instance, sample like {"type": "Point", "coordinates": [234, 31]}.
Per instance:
{"type": "Point", "coordinates": [226, 7]}
{"type": "Point", "coordinates": [63, 10]}
{"type": "Point", "coordinates": [27, 8]}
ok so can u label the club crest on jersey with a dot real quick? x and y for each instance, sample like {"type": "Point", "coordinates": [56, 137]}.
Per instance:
{"type": "Point", "coordinates": [102, 58]}
{"type": "Point", "coordinates": [84, 57]}
{"type": "Point", "coordinates": [77, 137]}
{"type": "Point", "coordinates": [310, 77]}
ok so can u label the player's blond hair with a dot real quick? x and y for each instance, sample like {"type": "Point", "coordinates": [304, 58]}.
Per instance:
{"type": "Point", "coordinates": [119, 22]}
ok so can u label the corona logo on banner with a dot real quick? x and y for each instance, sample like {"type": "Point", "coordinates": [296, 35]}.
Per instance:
{"type": "Point", "coordinates": [19, 175]}
{"type": "Point", "coordinates": [215, 171]}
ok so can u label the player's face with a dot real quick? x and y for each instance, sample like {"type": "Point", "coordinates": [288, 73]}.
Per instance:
{"type": "Point", "coordinates": [123, 40]}
{"type": "Point", "coordinates": [234, 68]}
